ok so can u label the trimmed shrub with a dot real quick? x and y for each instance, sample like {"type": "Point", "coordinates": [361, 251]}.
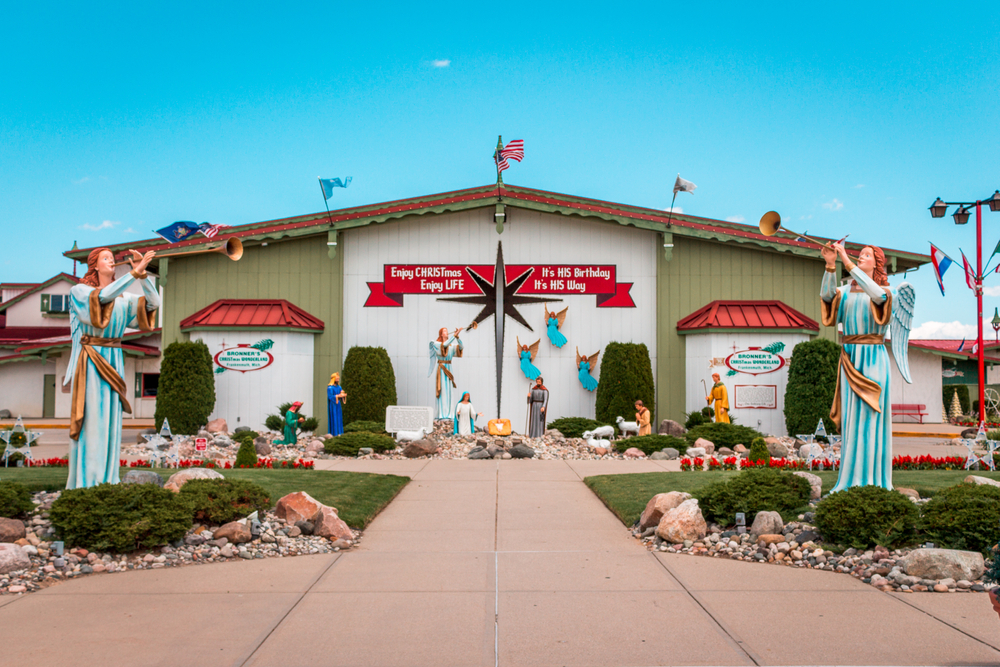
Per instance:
{"type": "Point", "coordinates": [722, 434]}
{"type": "Point", "coordinates": [759, 451]}
{"type": "Point", "coordinates": [866, 516]}
{"type": "Point", "coordinates": [963, 517]}
{"type": "Point", "coordinates": [626, 377]}
{"type": "Point", "coordinates": [186, 394]}
{"type": "Point", "coordinates": [812, 378]}
{"type": "Point", "coordinates": [277, 422]}
{"type": "Point", "coordinates": [751, 491]}
{"type": "Point", "coordinates": [366, 426]}
{"type": "Point", "coordinates": [348, 444]}
{"type": "Point", "coordinates": [652, 443]}
{"type": "Point", "coordinates": [246, 456]}
{"type": "Point", "coordinates": [120, 517]}
{"type": "Point", "coordinates": [245, 436]}
{"type": "Point", "coordinates": [574, 427]}
{"type": "Point", "coordinates": [15, 500]}
{"type": "Point", "coordinates": [219, 501]}
{"type": "Point", "coordinates": [948, 390]}
{"type": "Point", "coordinates": [370, 384]}
{"type": "Point", "coordinates": [697, 418]}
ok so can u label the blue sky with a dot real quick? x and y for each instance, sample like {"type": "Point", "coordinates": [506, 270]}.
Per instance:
{"type": "Point", "coordinates": [848, 118]}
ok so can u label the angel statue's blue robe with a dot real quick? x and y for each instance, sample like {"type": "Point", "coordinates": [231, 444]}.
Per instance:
{"type": "Point", "coordinates": [441, 355]}
{"type": "Point", "coordinates": [586, 379]}
{"type": "Point", "coordinates": [529, 369]}
{"type": "Point", "coordinates": [555, 336]}
{"type": "Point", "coordinates": [97, 320]}
{"type": "Point", "coordinates": [862, 401]}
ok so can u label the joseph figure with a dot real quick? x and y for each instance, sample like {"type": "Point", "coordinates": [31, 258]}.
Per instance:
{"type": "Point", "coordinates": [721, 398]}
{"type": "Point", "coordinates": [538, 402]}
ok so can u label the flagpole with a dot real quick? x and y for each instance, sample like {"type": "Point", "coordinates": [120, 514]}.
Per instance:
{"type": "Point", "coordinates": [496, 163]}
{"type": "Point", "coordinates": [323, 190]}
{"type": "Point", "coordinates": [671, 212]}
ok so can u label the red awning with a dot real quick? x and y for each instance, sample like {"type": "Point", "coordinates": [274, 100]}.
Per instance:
{"type": "Point", "coordinates": [747, 315]}
{"type": "Point", "coordinates": [252, 313]}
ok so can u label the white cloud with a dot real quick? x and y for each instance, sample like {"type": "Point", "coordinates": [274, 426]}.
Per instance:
{"type": "Point", "coordinates": [859, 185]}
{"type": "Point", "coordinates": [107, 224]}
{"type": "Point", "coordinates": [991, 291]}
{"type": "Point", "coordinates": [440, 63]}
{"type": "Point", "coordinates": [735, 218]}
{"type": "Point", "coordinates": [129, 230]}
{"type": "Point", "coordinates": [834, 205]}
{"type": "Point", "coordinates": [674, 209]}
{"type": "Point", "coordinates": [82, 180]}
{"type": "Point", "coordinates": [805, 217]}
{"type": "Point", "coordinates": [953, 330]}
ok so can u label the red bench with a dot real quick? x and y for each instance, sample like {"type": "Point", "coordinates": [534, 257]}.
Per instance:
{"type": "Point", "coordinates": [917, 410]}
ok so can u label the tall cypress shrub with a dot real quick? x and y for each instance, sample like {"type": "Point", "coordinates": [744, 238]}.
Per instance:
{"type": "Point", "coordinates": [626, 376]}
{"type": "Point", "coordinates": [812, 379]}
{"type": "Point", "coordinates": [370, 384]}
{"type": "Point", "coordinates": [186, 393]}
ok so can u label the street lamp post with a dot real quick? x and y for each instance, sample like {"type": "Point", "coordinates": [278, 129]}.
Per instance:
{"type": "Point", "coordinates": [961, 216]}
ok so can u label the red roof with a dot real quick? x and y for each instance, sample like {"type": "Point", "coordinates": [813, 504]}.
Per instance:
{"type": "Point", "coordinates": [252, 313]}
{"type": "Point", "coordinates": [9, 335]}
{"type": "Point", "coordinates": [746, 315]}
{"type": "Point", "coordinates": [73, 280]}
{"type": "Point", "coordinates": [950, 347]}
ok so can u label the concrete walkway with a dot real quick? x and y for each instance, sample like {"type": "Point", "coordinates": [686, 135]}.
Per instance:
{"type": "Point", "coordinates": [492, 563]}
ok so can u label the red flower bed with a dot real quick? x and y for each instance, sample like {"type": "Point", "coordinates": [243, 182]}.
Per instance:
{"type": "Point", "coordinates": [925, 462]}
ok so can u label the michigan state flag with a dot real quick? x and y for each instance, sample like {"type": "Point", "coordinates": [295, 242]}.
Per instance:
{"type": "Point", "coordinates": [179, 231]}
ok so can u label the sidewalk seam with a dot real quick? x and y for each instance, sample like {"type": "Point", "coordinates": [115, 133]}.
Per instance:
{"type": "Point", "coordinates": [941, 620]}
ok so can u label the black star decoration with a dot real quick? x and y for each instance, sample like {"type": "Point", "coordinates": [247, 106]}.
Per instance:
{"type": "Point", "coordinates": [499, 297]}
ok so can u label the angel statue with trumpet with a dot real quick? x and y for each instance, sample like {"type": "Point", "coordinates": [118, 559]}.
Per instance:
{"type": "Point", "coordinates": [866, 308]}
{"type": "Point", "coordinates": [447, 346]}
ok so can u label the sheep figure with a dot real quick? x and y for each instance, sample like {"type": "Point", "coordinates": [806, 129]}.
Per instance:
{"type": "Point", "coordinates": [627, 427]}
{"type": "Point", "coordinates": [600, 432]}
{"type": "Point", "coordinates": [410, 436]}
{"type": "Point", "coordinates": [593, 442]}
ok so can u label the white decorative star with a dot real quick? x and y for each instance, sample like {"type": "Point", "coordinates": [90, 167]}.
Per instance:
{"type": "Point", "coordinates": [25, 449]}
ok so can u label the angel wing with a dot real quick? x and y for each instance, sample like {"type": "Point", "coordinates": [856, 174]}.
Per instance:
{"type": "Point", "coordinates": [899, 327]}
{"type": "Point", "coordinates": [561, 316]}
{"type": "Point", "coordinates": [578, 357]}
{"type": "Point", "coordinates": [592, 360]}
{"type": "Point", "coordinates": [534, 349]}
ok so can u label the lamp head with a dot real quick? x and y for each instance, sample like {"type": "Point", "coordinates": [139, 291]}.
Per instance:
{"type": "Point", "coordinates": [938, 208]}
{"type": "Point", "coordinates": [994, 201]}
{"type": "Point", "coordinates": [961, 216]}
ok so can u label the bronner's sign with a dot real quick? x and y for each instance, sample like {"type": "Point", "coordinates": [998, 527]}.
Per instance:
{"type": "Point", "coordinates": [244, 358]}
{"type": "Point", "coordinates": [754, 361]}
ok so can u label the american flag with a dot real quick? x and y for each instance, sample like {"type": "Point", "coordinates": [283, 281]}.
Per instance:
{"type": "Point", "coordinates": [210, 230]}
{"type": "Point", "coordinates": [514, 150]}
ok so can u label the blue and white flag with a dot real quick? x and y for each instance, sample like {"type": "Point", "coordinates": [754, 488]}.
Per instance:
{"type": "Point", "coordinates": [328, 184]}
{"type": "Point", "coordinates": [179, 231]}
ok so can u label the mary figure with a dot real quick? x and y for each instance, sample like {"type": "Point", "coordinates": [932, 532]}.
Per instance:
{"type": "Point", "coordinates": [465, 416]}
{"type": "Point", "coordinates": [100, 312]}
{"type": "Point", "coordinates": [866, 308]}
{"type": "Point", "coordinates": [335, 398]}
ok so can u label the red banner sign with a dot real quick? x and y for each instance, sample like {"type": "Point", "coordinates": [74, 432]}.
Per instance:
{"type": "Point", "coordinates": [450, 279]}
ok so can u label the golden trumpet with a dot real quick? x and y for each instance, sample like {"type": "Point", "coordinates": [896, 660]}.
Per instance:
{"type": "Point", "coordinates": [231, 248]}
{"type": "Point", "coordinates": [770, 224]}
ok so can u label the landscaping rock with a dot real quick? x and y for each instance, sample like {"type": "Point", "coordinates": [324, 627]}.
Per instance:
{"type": "Point", "coordinates": [776, 447]}
{"type": "Point", "coordinates": [553, 433]}
{"type": "Point", "coordinates": [658, 456]}
{"type": "Point", "coordinates": [807, 536]}
{"type": "Point", "coordinates": [305, 527]}
{"type": "Point", "coordinates": [262, 446]}
{"type": "Point", "coordinates": [217, 426]}
{"type": "Point", "coordinates": [695, 452]}
{"type": "Point", "coordinates": [634, 453]}
{"type": "Point", "coordinates": [909, 493]}
{"type": "Point", "coordinates": [142, 477]}
{"type": "Point", "coordinates": [724, 451]}
{"type": "Point", "coordinates": [365, 451]}
{"type": "Point", "coordinates": [11, 530]}
{"type": "Point", "coordinates": [5, 414]}
{"type": "Point", "coordinates": [671, 453]}
{"type": "Point", "coordinates": [599, 451]}
{"type": "Point", "coordinates": [766, 523]}
{"type": "Point", "coordinates": [234, 531]}
{"type": "Point", "coordinates": [480, 453]}
{"type": "Point", "coordinates": [670, 427]}
{"type": "Point", "coordinates": [298, 506]}
{"type": "Point", "coordinates": [684, 522]}
{"type": "Point", "coordinates": [315, 446]}
{"type": "Point", "coordinates": [179, 479]}
{"type": "Point", "coordinates": [807, 449]}
{"type": "Point", "coordinates": [659, 505]}
{"type": "Point", "coordinates": [419, 448]}
{"type": "Point", "coordinates": [241, 429]}
{"type": "Point", "coordinates": [740, 449]}
{"type": "Point", "coordinates": [522, 452]}
{"type": "Point", "coordinates": [326, 523]}
{"type": "Point", "coordinates": [944, 564]}
{"type": "Point", "coordinates": [815, 484]}
{"type": "Point", "coordinates": [970, 433]}
{"type": "Point", "coordinates": [12, 557]}
{"type": "Point", "coordinates": [707, 445]}
{"type": "Point", "coordinates": [976, 479]}
{"type": "Point", "coordinates": [772, 538]}
{"type": "Point", "coordinates": [139, 439]}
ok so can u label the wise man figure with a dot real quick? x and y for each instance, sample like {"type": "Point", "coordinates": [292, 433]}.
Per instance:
{"type": "Point", "coordinates": [442, 351]}
{"type": "Point", "coordinates": [721, 398]}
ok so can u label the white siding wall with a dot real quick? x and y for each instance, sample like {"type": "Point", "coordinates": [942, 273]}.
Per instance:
{"type": "Point", "coordinates": [22, 387]}
{"type": "Point", "coordinates": [245, 399]}
{"type": "Point", "coordinates": [470, 238]}
{"type": "Point", "coordinates": [925, 371]}
{"type": "Point", "coordinates": [702, 348]}
{"type": "Point", "coordinates": [28, 313]}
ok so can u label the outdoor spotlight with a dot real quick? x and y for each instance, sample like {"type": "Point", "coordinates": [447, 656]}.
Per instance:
{"type": "Point", "coordinates": [961, 215]}
{"type": "Point", "coordinates": [994, 201]}
{"type": "Point", "coordinates": [938, 208]}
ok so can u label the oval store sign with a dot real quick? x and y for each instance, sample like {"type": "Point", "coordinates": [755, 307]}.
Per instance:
{"type": "Point", "coordinates": [754, 361]}
{"type": "Point", "coordinates": [244, 358]}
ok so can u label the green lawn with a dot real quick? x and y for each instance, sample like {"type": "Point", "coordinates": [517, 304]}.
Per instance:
{"type": "Point", "coordinates": [627, 495]}
{"type": "Point", "coordinates": [358, 496]}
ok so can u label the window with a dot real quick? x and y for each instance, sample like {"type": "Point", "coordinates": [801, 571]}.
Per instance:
{"type": "Point", "coordinates": [55, 303]}
{"type": "Point", "coordinates": [150, 382]}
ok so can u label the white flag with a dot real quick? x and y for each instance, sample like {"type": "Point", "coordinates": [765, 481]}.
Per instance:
{"type": "Point", "coordinates": [680, 185]}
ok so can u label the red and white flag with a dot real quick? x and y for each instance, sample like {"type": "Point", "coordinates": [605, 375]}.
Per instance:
{"type": "Point", "coordinates": [970, 275]}
{"type": "Point", "coordinates": [514, 150]}
{"type": "Point", "coordinates": [210, 230]}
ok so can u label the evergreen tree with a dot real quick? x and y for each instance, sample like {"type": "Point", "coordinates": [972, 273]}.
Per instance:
{"type": "Point", "coordinates": [812, 379]}
{"type": "Point", "coordinates": [626, 377]}
{"type": "Point", "coordinates": [186, 393]}
{"type": "Point", "coordinates": [370, 384]}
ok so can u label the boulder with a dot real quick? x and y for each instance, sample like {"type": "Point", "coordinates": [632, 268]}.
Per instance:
{"type": "Point", "coordinates": [671, 453]}
{"type": "Point", "coordinates": [724, 451]}
{"type": "Point", "coordinates": [776, 447]}
{"type": "Point", "coordinates": [683, 522]}
{"type": "Point", "coordinates": [770, 538]}
{"type": "Point", "coordinates": [179, 479]}
{"type": "Point", "coordinates": [315, 446]}
{"type": "Point", "coordinates": [807, 449]}
{"type": "Point", "coordinates": [221, 440]}
{"type": "Point", "coordinates": [695, 452]}
{"type": "Point", "coordinates": [707, 445]}
{"type": "Point", "coordinates": [326, 523]}
{"type": "Point", "coordinates": [142, 477]}
{"type": "Point", "coordinates": [241, 429]}
{"type": "Point", "coordinates": [944, 564]}
{"type": "Point", "coordinates": [976, 479]}
{"type": "Point", "coordinates": [659, 505]}
{"type": "Point", "coordinates": [634, 453]}
{"type": "Point", "coordinates": [815, 484]}
{"type": "Point", "coordinates": [670, 427]}
{"type": "Point", "coordinates": [298, 506]}
{"type": "Point", "coordinates": [262, 446]}
{"type": "Point", "coordinates": [909, 493]}
{"type": "Point", "coordinates": [658, 456]}
{"type": "Point", "coordinates": [599, 451]}
{"type": "Point", "coordinates": [553, 433]}
{"type": "Point", "coordinates": [740, 449]}
{"type": "Point", "coordinates": [234, 531]}
{"type": "Point", "coordinates": [522, 452]}
{"type": "Point", "coordinates": [365, 451]}
{"type": "Point", "coordinates": [11, 530]}
{"type": "Point", "coordinates": [970, 433]}
{"type": "Point", "coordinates": [5, 414]}
{"type": "Point", "coordinates": [480, 453]}
{"type": "Point", "coordinates": [766, 523]}
{"type": "Point", "coordinates": [12, 557]}
{"type": "Point", "coordinates": [305, 527]}
{"type": "Point", "coordinates": [418, 448]}
{"type": "Point", "coordinates": [217, 426]}
{"type": "Point", "coordinates": [140, 439]}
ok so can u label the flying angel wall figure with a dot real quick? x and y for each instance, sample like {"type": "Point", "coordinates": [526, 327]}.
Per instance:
{"type": "Point", "coordinates": [584, 367]}
{"type": "Point", "coordinates": [527, 354]}
{"type": "Point", "coordinates": [553, 324]}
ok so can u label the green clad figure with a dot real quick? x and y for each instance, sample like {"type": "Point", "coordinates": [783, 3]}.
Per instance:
{"type": "Point", "coordinates": [292, 421]}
